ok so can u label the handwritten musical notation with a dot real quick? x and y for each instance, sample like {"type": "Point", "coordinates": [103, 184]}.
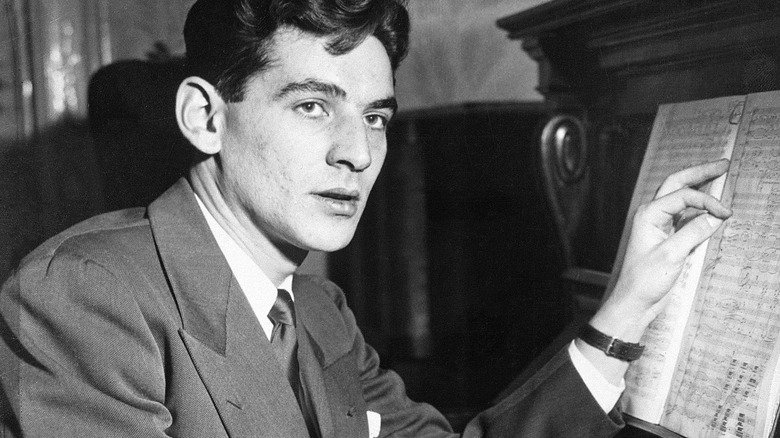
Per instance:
{"type": "Point", "coordinates": [683, 136]}
{"type": "Point", "coordinates": [737, 309]}
{"type": "Point", "coordinates": [713, 353]}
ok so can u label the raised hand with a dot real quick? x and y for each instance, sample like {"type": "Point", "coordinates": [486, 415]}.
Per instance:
{"type": "Point", "coordinates": [664, 231]}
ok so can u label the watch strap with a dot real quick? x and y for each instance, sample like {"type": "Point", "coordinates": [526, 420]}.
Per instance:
{"type": "Point", "coordinates": [613, 347]}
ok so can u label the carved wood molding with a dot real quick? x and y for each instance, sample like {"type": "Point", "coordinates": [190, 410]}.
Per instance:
{"type": "Point", "coordinates": [559, 13]}
{"type": "Point", "coordinates": [564, 158]}
{"type": "Point", "coordinates": [688, 45]}
{"type": "Point", "coordinates": [580, 44]}
{"type": "Point", "coordinates": [646, 17]}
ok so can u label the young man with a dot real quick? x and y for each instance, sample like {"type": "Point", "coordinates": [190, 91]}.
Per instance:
{"type": "Point", "coordinates": [167, 321]}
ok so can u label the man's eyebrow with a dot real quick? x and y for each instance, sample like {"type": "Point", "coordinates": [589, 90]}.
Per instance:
{"type": "Point", "coordinates": [389, 103]}
{"type": "Point", "coordinates": [310, 86]}
{"type": "Point", "coordinates": [316, 86]}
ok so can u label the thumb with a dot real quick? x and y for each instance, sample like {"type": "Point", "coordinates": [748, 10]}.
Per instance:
{"type": "Point", "coordinates": [681, 243]}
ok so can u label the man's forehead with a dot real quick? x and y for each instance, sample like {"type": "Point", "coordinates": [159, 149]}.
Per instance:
{"type": "Point", "coordinates": [299, 57]}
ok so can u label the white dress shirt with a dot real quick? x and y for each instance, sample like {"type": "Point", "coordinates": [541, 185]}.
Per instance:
{"type": "Point", "coordinates": [257, 287]}
{"type": "Point", "coordinates": [261, 294]}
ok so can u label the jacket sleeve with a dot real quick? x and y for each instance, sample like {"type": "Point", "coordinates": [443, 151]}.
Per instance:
{"type": "Point", "coordinates": [554, 403]}
{"type": "Point", "coordinates": [76, 358]}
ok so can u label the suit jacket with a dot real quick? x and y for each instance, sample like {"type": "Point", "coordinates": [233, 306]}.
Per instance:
{"type": "Point", "coordinates": [131, 324]}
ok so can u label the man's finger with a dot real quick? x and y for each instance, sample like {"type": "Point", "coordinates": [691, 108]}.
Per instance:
{"type": "Point", "coordinates": [692, 176]}
{"type": "Point", "coordinates": [681, 243]}
{"type": "Point", "coordinates": [659, 211]}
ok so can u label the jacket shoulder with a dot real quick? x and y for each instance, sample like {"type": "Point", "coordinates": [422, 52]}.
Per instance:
{"type": "Point", "coordinates": [110, 239]}
{"type": "Point", "coordinates": [92, 229]}
{"type": "Point", "coordinates": [314, 284]}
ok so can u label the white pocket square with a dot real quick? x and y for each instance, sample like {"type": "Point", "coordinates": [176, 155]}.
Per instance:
{"type": "Point", "coordinates": [374, 424]}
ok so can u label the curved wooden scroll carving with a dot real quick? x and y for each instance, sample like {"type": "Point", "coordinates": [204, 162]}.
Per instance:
{"type": "Point", "coordinates": [564, 152]}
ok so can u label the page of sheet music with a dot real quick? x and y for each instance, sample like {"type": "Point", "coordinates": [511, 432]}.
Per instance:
{"type": "Point", "coordinates": [684, 135]}
{"type": "Point", "coordinates": [730, 345]}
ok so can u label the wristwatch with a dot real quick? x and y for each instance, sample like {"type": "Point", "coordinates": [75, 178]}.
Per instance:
{"type": "Point", "coordinates": [613, 347]}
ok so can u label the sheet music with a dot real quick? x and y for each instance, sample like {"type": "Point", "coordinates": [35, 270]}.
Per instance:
{"type": "Point", "coordinates": [684, 135]}
{"type": "Point", "coordinates": [730, 345]}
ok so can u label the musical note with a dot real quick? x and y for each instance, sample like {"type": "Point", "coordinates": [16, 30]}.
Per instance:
{"type": "Point", "coordinates": [709, 354]}
{"type": "Point", "coordinates": [737, 313]}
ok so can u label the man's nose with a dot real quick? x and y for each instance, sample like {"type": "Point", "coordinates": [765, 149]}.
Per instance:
{"type": "Point", "coordinates": [351, 146]}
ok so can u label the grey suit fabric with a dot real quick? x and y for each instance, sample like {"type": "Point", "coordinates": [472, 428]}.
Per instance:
{"type": "Point", "coordinates": [131, 325]}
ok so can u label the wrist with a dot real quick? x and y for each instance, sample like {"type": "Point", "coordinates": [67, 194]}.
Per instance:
{"type": "Point", "coordinates": [612, 369]}
{"type": "Point", "coordinates": [611, 346]}
{"type": "Point", "coordinates": [621, 322]}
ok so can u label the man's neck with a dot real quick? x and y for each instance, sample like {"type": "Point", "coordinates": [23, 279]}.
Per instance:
{"type": "Point", "coordinates": [274, 262]}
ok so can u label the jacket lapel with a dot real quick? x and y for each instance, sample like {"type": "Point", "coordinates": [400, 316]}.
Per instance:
{"type": "Point", "coordinates": [223, 337]}
{"type": "Point", "coordinates": [328, 364]}
{"type": "Point", "coordinates": [266, 390]}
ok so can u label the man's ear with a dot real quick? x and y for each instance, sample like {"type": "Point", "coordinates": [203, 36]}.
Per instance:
{"type": "Point", "coordinates": [200, 114]}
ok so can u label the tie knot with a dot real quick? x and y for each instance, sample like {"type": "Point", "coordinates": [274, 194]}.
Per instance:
{"type": "Point", "coordinates": [283, 310]}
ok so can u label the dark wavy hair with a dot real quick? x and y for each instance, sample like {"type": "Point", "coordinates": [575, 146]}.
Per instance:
{"type": "Point", "coordinates": [228, 41]}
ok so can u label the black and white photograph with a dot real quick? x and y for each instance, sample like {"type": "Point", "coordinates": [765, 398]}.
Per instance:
{"type": "Point", "coordinates": [390, 218]}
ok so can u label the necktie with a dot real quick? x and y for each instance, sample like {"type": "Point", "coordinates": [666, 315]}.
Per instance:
{"type": "Point", "coordinates": [283, 340]}
{"type": "Point", "coordinates": [285, 346]}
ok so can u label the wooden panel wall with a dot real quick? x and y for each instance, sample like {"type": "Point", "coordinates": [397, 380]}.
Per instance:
{"type": "Point", "coordinates": [460, 302]}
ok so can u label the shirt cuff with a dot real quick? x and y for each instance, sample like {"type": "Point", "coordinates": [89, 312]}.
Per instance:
{"type": "Point", "coordinates": [605, 393]}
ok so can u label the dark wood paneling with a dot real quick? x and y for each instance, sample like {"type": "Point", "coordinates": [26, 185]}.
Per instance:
{"type": "Point", "coordinates": [492, 292]}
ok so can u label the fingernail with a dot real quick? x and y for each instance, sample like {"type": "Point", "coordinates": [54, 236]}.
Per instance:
{"type": "Point", "coordinates": [713, 221]}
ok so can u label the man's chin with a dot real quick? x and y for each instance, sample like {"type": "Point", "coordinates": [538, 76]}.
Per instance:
{"type": "Point", "coordinates": [331, 241]}
{"type": "Point", "coordinates": [329, 246]}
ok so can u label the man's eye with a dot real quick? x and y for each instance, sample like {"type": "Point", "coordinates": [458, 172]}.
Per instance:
{"type": "Point", "coordinates": [376, 121]}
{"type": "Point", "coordinates": [311, 109]}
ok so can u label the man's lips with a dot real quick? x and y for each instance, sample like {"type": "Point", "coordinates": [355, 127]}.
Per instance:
{"type": "Point", "coordinates": [340, 194]}
{"type": "Point", "coordinates": [340, 201]}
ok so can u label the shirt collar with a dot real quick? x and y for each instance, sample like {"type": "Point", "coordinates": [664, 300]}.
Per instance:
{"type": "Point", "coordinates": [258, 288]}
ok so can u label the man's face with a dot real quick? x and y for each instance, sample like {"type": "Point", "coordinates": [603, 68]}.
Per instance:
{"type": "Point", "coordinates": [301, 152]}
